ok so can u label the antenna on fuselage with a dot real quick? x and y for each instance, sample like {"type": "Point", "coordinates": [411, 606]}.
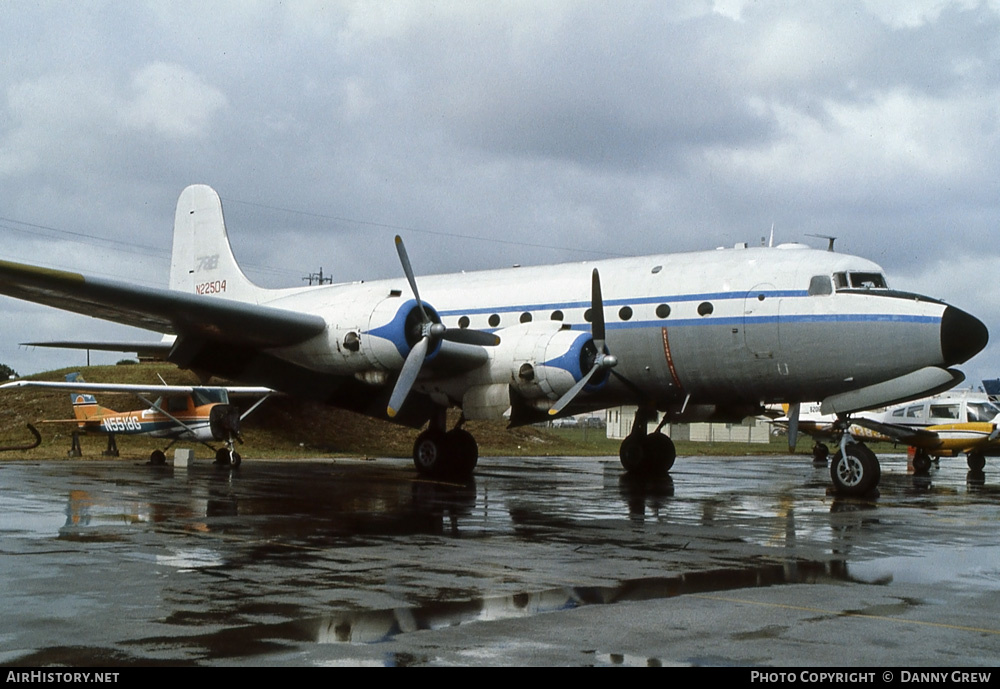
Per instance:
{"type": "Point", "coordinates": [829, 247]}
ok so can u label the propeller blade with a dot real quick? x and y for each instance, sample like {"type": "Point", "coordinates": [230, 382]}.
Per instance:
{"type": "Point", "coordinates": [472, 337]}
{"type": "Point", "coordinates": [407, 375]}
{"type": "Point", "coordinates": [793, 426]}
{"type": "Point", "coordinates": [596, 311]}
{"type": "Point", "coordinates": [573, 391]}
{"type": "Point", "coordinates": [408, 271]}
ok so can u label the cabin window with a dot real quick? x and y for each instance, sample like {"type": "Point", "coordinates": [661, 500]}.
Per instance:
{"type": "Point", "coordinates": [525, 317]}
{"type": "Point", "coordinates": [557, 315]}
{"type": "Point", "coordinates": [177, 404]}
{"type": "Point", "coordinates": [705, 308]}
{"type": "Point", "coordinates": [820, 285]}
{"type": "Point", "coordinates": [625, 313]}
{"type": "Point", "coordinates": [840, 280]}
{"type": "Point", "coordinates": [662, 311]}
{"type": "Point", "coordinates": [898, 413]}
{"type": "Point", "coordinates": [494, 320]}
{"type": "Point", "coordinates": [945, 411]}
{"type": "Point", "coordinates": [915, 412]}
{"type": "Point", "coordinates": [463, 322]}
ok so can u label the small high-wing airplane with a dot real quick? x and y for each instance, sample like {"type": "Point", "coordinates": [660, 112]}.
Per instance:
{"type": "Point", "coordinates": [175, 412]}
{"type": "Point", "coordinates": [698, 336]}
{"type": "Point", "coordinates": [953, 423]}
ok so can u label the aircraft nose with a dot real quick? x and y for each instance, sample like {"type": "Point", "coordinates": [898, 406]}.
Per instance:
{"type": "Point", "coordinates": [962, 336]}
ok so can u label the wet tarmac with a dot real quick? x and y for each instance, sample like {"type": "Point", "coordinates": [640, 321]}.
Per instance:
{"type": "Point", "coordinates": [538, 561]}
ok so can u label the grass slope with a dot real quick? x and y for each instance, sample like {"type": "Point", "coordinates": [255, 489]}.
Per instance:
{"type": "Point", "coordinates": [283, 427]}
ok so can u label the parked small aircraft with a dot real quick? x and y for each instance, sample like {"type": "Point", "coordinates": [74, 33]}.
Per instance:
{"type": "Point", "coordinates": [177, 412]}
{"type": "Point", "coordinates": [708, 335]}
{"type": "Point", "coordinates": [956, 422]}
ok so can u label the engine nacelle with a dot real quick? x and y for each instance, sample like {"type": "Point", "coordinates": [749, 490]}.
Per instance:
{"type": "Point", "coordinates": [543, 361]}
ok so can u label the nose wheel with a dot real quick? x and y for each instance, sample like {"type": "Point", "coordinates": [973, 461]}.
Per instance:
{"type": "Point", "coordinates": [855, 470]}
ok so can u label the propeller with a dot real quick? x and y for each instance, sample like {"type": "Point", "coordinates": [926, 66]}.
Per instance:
{"type": "Point", "coordinates": [793, 425]}
{"type": "Point", "coordinates": [600, 360]}
{"type": "Point", "coordinates": [430, 333]}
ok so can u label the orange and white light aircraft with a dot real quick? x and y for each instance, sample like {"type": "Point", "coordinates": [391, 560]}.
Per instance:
{"type": "Point", "coordinates": [710, 335]}
{"type": "Point", "coordinates": [176, 412]}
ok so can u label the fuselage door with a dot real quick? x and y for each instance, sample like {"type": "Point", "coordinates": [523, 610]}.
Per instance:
{"type": "Point", "coordinates": [760, 321]}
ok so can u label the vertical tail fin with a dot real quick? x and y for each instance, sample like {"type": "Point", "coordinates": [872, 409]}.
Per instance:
{"type": "Point", "coordinates": [202, 261]}
{"type": "Point", "coordinates": [85, 406]}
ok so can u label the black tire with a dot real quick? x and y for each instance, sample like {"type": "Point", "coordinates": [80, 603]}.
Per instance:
{"type": "Point", "coordinates": [228, 458]}
{"type": "Point", "coordinates": [632, 454]}
{"type": "Point", "coordinates": [461, 452]}
{"type": "Point", "coordinates": [659, 452]}
{"type": "Point", "coordinates": [921, 462]}
{"type": "Point", "coordinates": [976, 461]}
{"type": "Point", "coordinates": [157, 458]}
{"type": "Point", "coordinates": [429, 453]}
{"type": "Point", "coordinates": [821, 453]}
{"type": "Point", "coordinates": [858, 473]}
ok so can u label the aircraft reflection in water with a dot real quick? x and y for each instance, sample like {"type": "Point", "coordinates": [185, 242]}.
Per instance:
{"type": "Point", "coordinates": [176, 412]}
{"type": "Point", "coordinates": [686, 337]}
{"type": "Point", "coordinates": [947, 425]}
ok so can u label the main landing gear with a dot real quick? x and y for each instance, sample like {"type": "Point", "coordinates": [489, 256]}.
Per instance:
{"type": "Point", "coordinates": [438, 453]}
{"type": "Point", "coordinates": [647, 454]}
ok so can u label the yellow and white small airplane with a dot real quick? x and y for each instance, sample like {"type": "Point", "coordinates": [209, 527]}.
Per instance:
{"type": "Point", "coordinates": [710, 335]}
{"type": "Point", "coordinates": [202, 413]}
{"type": "Point", "coordinates": [947, 425]}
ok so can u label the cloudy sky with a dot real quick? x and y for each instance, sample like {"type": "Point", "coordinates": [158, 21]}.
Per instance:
{"type": "Point", "coordinates": [494, 133]}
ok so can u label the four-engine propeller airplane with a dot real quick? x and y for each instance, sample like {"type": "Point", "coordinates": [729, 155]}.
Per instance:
{"type": "Point", "coordinates": [177, 412]}
{"type": "Point", "coordinates": [697, 336]}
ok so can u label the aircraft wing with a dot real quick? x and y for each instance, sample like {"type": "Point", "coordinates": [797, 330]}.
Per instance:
{"type": "Point", "coordinates": [80, 386]}
{"type": "Point", "coordinates": [144, 350]}
{"type": "Point", "coordinates": [161, 310]}
{"type": "Point", "coordinates": [898, 432]}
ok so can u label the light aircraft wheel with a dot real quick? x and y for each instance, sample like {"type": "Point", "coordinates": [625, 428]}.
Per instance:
{"type": "Point", "coordinates": [157, 458]}
{"type": "Point", "coordinates": [857, 473]}
{"type": "Point", "coordinates": [226, 457]}
{"type": "Point", "coordinates": [659, 453]}
{"type": "Point", "coordinates": [820, 453]}
{"type": "Point", "coordinates": [976, 461]}
{"type": "Point", "coordinates": [921, 462]}
{"type": "Point", "coordinates": [429, 455]}
{"type": "Point", "coordinates": [462, 451]}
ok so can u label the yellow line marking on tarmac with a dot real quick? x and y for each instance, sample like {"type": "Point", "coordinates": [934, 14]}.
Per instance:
{"type": "Point", "coordinates": [847, 614]}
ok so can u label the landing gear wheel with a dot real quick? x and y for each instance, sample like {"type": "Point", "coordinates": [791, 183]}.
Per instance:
{"type": "Point", "coordinates": [921, 462]}
{"type": "Point", "coordinates": [976, 461]}
{"type": "Point", "coordinates": [632, 453]}
{"type": "Point", "coordinates": [820, 453]}
{"type": "Point", "coordinates": [462, 452]}
{"type": "Point", "coordinates": [647, 454]}
{"type": "Point", "coordinates": [660, 453]}
{"type": "Point", "coordinates": [429, 456]}
{"type": "Point", "coordinates": [857, 473]}
{"type": "Point", "coordinates": [226, 457]}
{"type": "Point", "coordinates": [157, 458]}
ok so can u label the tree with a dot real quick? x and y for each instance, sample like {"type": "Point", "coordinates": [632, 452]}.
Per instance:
{"type": "Point", "coordinates": [7, 373]}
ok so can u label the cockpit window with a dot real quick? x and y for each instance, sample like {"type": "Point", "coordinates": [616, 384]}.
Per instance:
{"type": "Point", "coordinates": [859, 281]}
{"type": "Point", "coordinates": [867, 280]}
{"type": "Point", "coordinates": [981, 411]}
{"type": "Point", "coordinates": [820, 284]}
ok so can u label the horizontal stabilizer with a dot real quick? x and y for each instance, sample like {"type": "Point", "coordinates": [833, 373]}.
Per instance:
{"type": "Point", "coordinates": [143, 350]}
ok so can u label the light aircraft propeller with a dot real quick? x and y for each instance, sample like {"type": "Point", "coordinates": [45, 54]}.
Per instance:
{"type": "Point", "coordinates": [430, 332]}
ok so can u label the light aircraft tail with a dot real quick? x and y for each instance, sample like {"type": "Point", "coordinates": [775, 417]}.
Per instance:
{"type": "Point", "coordinates": [85, 406]}
{"type": "Point", "coordinates": [202, 261]}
